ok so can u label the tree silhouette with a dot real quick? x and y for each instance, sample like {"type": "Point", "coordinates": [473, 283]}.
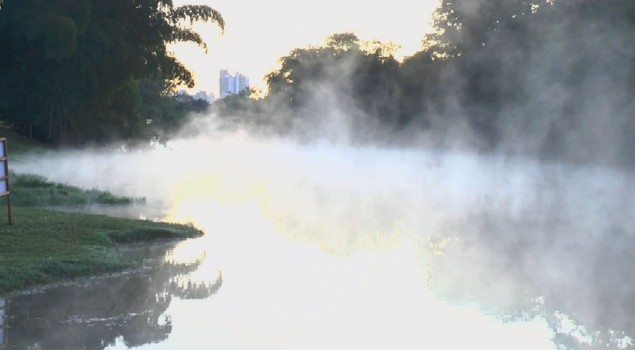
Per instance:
{"type": "Point", "coordinates": [70, 68]}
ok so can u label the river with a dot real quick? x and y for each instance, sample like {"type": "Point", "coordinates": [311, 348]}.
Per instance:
{"type": "Point", "coordinates": [321, 246]}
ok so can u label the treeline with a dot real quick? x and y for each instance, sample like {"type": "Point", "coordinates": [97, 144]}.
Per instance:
{"type": "Point", "coordinates": [550, 78]}
{"type": "Point", "coordinates": [94, 71]}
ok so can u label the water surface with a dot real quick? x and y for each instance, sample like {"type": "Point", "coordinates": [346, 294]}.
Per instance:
{"type": "Point", "coordinates": [333, 246]}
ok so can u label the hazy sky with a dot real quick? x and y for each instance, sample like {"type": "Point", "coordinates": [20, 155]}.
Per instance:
{"type": "Point", "coordinates": [258, 33]}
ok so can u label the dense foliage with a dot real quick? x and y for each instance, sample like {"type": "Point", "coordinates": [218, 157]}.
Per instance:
{"type": "Point", "coordinates": [554, 78]}
{"type": "Point", "coordinates": [318, 86]}
{"type": "Point", "coordinates": [548, 78]}
{"type": "Point", "coordinates": [71, 70]}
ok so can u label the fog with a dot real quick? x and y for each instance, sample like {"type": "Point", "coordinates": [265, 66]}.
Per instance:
{"type": "Point", "coordinates": [493, 209]}
{"type": "Point", "coordinates": [503, 220]}
{"type": "Point", "coordinates": [327, 244]}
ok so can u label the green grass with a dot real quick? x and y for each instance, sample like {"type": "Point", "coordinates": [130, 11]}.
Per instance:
{"type": "Point", "coordinates": [44, 246]}
{"type": "Point", "coordinates": [34, 190]}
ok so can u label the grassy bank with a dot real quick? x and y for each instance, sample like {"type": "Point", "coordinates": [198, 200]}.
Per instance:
{"type": "Point", "coordinates": [33, 190]}
{"type": "Point", "coordinates": [44, 246]}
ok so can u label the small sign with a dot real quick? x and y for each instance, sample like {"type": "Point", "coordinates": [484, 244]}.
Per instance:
{"type": "Point", "coordinates": [4, 167]}
{"type": "Point", "coordinates": [4, 174]}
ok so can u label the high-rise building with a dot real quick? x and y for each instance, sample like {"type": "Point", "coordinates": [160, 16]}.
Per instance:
{"type": "Point", "coordinates": [223, 81]}
{"type": "Point", "coordinates": [232, 84]}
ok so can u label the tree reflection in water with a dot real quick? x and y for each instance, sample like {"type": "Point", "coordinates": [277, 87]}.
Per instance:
{"type": "Point", "coordinates": [542, 266]}
{"type": "Point", "coordinates": [91, 315]}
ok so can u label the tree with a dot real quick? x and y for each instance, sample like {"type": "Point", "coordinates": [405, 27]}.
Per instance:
{"type": "Point", "coordinates": [69, 67]}
{"type": "Point", "coordinates": [343, 42]}
{"type": "Point", "coordinates": [345, 76]}
{"type": "Point", "coordinates": [471, 48]}
{"type": "Point", "coordinates": [551, 78]}
{"type": "Point", "coordinates": [464, 25]}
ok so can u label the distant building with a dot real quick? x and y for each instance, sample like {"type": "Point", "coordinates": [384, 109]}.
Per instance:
{"type": "Point", "coordinates": [232, 84]}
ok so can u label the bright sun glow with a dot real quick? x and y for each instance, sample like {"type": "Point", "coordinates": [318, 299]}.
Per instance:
{"type": "Point", "coordinates": [289, 294]}
{"type": "Point", "coordinates": [286, 294]}
{"type": "Point", "coordinates": [258, 33]}
{"type": "Point", "coordinates": [330, 246]}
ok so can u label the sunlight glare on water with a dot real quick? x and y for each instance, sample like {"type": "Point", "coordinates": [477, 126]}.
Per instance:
{"type": "Point", "coordinates": [329, 246]}
{"type": "Point", "coordinates": [284, 294]}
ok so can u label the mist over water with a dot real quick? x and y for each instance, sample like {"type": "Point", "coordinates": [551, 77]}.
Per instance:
{"type": "Point", "coordinates": [332, 245]}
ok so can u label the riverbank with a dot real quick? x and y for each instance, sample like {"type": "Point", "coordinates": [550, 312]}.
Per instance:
{"type": "Point", "coordinates": [44, 246]}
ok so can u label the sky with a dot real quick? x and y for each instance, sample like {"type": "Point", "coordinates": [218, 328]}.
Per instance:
{"type": "Point", "coordinates": [258, 33]}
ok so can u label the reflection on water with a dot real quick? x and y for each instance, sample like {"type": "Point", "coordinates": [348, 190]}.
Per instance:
{"type": "Point", "coordinates": [93, 313]}
{"type": "Point", "coordinates": [337, 247]}
{"type": "Point", "coordinates": [3, 323]}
